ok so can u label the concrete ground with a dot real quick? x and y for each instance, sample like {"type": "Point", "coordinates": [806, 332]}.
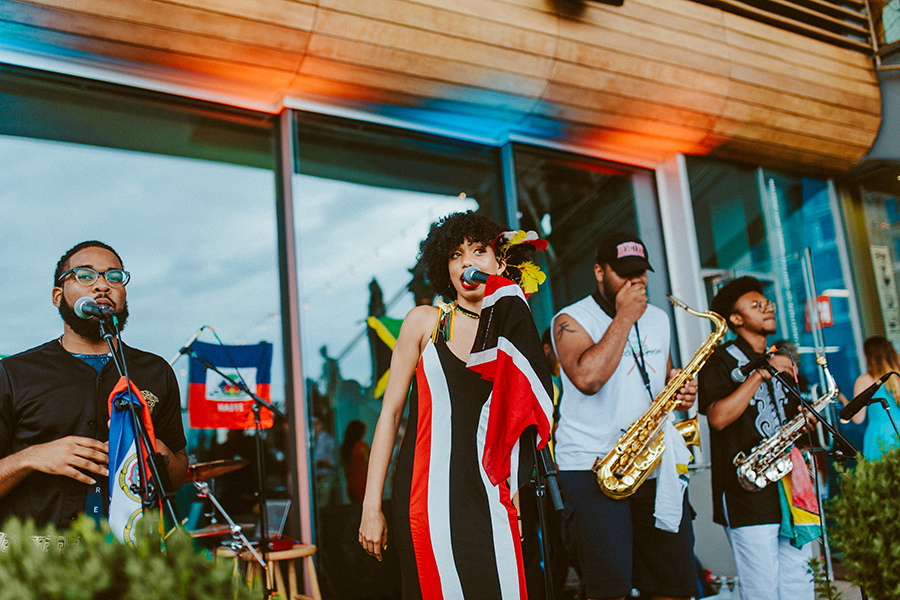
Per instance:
{"type": "Point", "coordinates": [847, 590]}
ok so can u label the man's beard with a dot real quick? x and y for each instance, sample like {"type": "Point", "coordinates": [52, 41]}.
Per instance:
{"type": "Point", "coordinates": [608, 292]}
{"type": "Point", "coordinates": [87, 328]}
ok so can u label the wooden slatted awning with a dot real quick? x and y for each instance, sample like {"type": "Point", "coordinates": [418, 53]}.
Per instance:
{"type": "Point", "coordinates": [841, 22]}
{"type": "Point", "coordinates": [634, 83]}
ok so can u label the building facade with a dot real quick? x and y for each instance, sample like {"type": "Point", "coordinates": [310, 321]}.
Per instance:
{"type": "Point", "coordinates": [268, 169]}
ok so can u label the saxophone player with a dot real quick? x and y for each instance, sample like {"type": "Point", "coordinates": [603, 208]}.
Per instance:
{"type": "Point", "coordinates": [742, 411]}
{"type": "Point", "coordinates": [613, 349]}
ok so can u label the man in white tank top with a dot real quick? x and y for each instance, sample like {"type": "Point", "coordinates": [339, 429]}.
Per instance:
{"type": "Point", "coordinates": [613, 350]}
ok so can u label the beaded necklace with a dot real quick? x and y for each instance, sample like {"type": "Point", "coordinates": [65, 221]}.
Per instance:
{"type": "Point", "coordinates": [468, 313]}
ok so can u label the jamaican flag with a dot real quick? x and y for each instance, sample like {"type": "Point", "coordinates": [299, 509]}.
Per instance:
{"type": "Point", "coordinates": [383, 332]}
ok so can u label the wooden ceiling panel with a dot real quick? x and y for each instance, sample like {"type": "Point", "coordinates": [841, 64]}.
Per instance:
{"type": "Point", "coordinates": [642, 80]}
{"type": "Point", "coordinates": [342, 28]}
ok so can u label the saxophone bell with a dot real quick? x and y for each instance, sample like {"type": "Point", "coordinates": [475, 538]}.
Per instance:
{"type": "Point", "coordinates": [689, 430]}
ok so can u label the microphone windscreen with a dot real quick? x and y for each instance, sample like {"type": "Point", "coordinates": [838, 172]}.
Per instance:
{"type": "Point", "coordinates": [78, 307]}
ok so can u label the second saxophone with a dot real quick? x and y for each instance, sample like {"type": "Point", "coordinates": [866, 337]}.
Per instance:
{"type": "Point", "coordinates": [770, 460]}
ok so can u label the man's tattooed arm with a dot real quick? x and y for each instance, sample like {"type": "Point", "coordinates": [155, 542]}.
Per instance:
{"type": "Point", "coordinates": [563, 326]}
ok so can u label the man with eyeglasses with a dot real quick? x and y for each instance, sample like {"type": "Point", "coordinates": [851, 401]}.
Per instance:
{"type": "Point", "coordinates": [53, 401]}
{"type": "Point", "coordinates": [742, 411]}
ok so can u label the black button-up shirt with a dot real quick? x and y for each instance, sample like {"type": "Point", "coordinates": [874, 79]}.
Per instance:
{"type": "Point", "coordinates": [47, 394]}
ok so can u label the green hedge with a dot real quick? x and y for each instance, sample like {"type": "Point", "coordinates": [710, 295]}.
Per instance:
{"type": "Point", "coordinates": [867, 515]}
{"type": "Point", "coordinates": [98, 567]}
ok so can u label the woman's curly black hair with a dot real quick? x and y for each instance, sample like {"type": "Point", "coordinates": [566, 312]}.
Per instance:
{"type": "Point", "coordinates": [445, 236]}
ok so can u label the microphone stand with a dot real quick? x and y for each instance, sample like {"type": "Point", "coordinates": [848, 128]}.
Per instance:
{"type": "Point", "coordinates": [887, 408]}
{"type": "Point", "coordinates": [258, 404]}
{"type": "Point", "coordinates": [545, 481]}
{"type": "Point", "coordinates": [152, 487]}
{"type": "Point", "coordinates": [837, 452]}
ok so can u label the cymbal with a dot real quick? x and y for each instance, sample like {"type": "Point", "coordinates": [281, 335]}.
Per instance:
{"type": "Point", "coordinates": [210, 530]}
{"type": "Point", "coordinates": [218, 529]}
{"type": "Point", "coordinates": [208, 470]}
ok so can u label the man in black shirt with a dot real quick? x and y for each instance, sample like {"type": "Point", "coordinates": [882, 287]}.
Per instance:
{"type": "Point", "coordinates": [742, 411]}
{"type": "Point", "coordinates": [53, 402]}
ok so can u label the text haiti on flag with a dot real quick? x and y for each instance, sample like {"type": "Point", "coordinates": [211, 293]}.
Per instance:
{"type": "Point", "coordinates": [508, 351]}
{"type": "Point", "coordinates": [217, 402]}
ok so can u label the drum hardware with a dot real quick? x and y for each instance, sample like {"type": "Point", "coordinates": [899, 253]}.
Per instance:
{"type": "Point", "coordinates": [238, 540]}
{"type": "Point", "coordinates": [211, 530]}
{"type": "Point", "coordinates": [207, 470]}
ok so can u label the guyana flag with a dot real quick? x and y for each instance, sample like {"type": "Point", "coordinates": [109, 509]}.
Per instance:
{"type": "Point", "coordinates": [383, 332]}
{"type": "Point", "coordinates": [799, 504]}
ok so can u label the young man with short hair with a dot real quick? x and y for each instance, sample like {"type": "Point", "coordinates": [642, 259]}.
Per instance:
{"type": "Point", "coordinates": [742, 411]}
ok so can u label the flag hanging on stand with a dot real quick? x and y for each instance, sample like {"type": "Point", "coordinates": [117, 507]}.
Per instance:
{"type": "Point", "coordinates": [125, 509]}
{"type": "Point", "coordinates": [799, 503]}
{"type": "Point", "coordinates": [383, 332]}
{"type": "Point", "coordinates": [217, 402]}
{"type": "Point", "coordinates": [508, 351]}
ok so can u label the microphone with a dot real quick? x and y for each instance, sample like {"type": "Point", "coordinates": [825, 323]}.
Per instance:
{"type": "Point", "coordinates": [739, 374]}
{"type": "Point", "coordinates": [85, 307]}
{"type": "Point", "coordinates": [472, 275]}
{"type": "Point", "coordinates": [864, 399]}
{"type": "Point", "coordinates": [187, 345]}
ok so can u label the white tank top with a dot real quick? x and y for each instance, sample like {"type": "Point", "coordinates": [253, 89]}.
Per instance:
{"type": "Point", "coordinates": [589, 425]}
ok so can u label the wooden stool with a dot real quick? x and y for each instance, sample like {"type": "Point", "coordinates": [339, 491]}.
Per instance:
{"type": "Point", "coordinates": [274, 577]}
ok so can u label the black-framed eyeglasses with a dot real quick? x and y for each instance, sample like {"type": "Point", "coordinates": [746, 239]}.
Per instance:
{"type": "Point", "coordinates": [88, 276]}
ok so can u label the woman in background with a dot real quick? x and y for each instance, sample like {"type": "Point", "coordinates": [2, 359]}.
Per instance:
{"type": "Point", "coordinates": [881, 358]}
{"type": "Point", "coordinates": [355, 457]}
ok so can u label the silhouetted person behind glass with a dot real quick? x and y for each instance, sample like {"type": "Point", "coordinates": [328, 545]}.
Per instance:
{"type": "Point", "coordinates": [355, 458]}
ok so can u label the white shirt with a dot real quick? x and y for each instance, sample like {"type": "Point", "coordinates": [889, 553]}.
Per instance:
{"type": "Point", "coordinates": [590, 425]}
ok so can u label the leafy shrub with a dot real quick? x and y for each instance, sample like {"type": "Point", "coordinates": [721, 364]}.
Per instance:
{"type": "Point", "coordinates": [868, 525]}
{"type": "Point", "coordinates": [824, 587]}
{"type": "Point", "coordinates": [96, 566]}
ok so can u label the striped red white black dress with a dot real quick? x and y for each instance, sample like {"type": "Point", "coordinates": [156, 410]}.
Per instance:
{"type": "Point", "coordinates": [456, 533]}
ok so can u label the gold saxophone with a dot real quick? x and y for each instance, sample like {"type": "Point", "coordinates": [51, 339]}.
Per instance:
{"type": "Point", "coordinates": [621, 472]}
{"type": "Point", "coordinates": [770, 460]}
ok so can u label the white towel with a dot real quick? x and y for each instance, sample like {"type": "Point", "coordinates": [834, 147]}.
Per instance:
{"type": "Point", "coordinates": [670, 484]}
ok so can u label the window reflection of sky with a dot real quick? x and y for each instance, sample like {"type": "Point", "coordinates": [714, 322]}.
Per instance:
{"type": "Point", "coordinates": [347, 234]}
{"type": "Point", "coordinates": [199, 238]}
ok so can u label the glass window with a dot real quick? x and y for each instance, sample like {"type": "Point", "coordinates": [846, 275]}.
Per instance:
{"type": "Point", "coordinates": [882, 217]}
{"type": "Point", "coordinates": [731, 230]}
{"type": "Point", "coordinates": [890, 17]}
{"type": "Point", "coordinates": [364, 198]}
{"type": "Point", "coordinates": [760, 223]}
{"type": "Point", "coordinates": [574, 201]}
{"type": "Point", "coordinates": [184, 193]}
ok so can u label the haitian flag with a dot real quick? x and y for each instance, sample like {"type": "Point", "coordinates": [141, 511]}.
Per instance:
{"type": "Point", "coordinates": [216, 402]}
{"type": "Point", "coordinates": [508, 351]}
{"type": "Point", "coordinates": [125, 509]}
